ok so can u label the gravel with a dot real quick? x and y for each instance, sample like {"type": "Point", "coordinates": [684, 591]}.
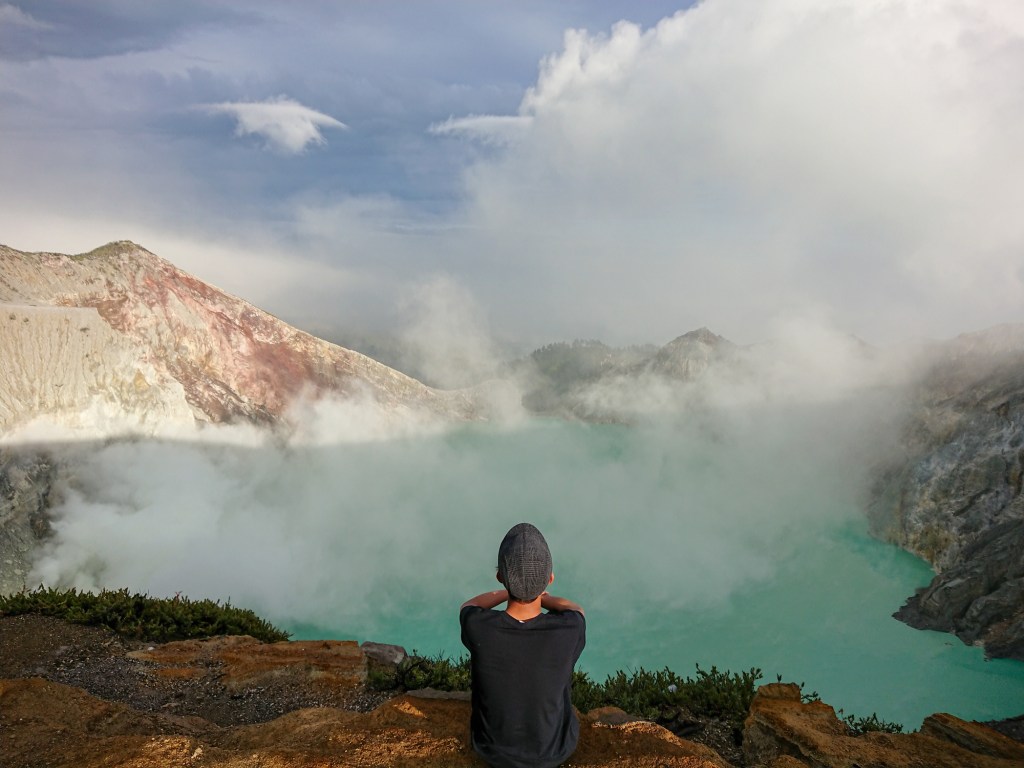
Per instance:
{"type": "Point", "coordinates": [95, 660]}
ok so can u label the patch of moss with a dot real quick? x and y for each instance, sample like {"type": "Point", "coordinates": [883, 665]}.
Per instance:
{"type": "Point", "coordinates": [933, 541]}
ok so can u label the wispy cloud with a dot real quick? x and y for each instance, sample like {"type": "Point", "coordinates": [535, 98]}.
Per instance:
{"type": "Point", "coordinates": [490, 129]}
{"type": "Point", "coordinates": [12, 16]}
{"type": "Point", "coordinates": [286, 124]}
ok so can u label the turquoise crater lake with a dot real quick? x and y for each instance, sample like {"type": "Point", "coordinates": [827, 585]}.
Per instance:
{"type": "Point", "coordinates": [738, 543]}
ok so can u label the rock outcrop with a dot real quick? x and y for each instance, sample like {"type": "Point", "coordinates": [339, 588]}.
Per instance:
{"type": "Point", "coordinates": [955, 497]}
{"type": "Point", "coordinates": [123, 331]}
{"type": "Point", "coordinates": [26, 484]}
{"type": "Point", "coordinates": [781, 731]}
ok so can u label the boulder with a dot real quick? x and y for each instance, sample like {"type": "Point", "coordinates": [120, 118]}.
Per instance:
{"type": "Point", "coordinates": [384, 654]}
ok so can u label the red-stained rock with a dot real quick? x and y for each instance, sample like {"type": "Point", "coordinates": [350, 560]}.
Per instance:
{"type": "Point", "coordinates": [232, 360]}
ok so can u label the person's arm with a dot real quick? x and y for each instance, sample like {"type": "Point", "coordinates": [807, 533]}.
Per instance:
{"type": "Point", "coordinates": [552, 603]}
{"type": "Point", "coordinates": [487, 600]}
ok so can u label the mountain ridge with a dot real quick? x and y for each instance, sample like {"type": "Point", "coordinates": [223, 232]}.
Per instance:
{"type": "Point", "coordinates": [231, 360]}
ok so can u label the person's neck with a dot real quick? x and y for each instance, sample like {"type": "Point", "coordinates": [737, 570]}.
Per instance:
{"type": "Point", "coordinates": [523, 611]}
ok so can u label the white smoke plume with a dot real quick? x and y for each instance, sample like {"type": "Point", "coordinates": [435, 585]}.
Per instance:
{"type": "Point", "coordinates": [358, 514]}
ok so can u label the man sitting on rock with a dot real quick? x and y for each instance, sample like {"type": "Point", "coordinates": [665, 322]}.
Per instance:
{"type": "Point", "coordinates": [522, 659]}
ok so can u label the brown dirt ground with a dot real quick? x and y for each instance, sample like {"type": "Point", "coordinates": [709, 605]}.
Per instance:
{"type": "Point", "coordinates": [97, 661]}
{"type": "Point", "coordinates": [72, 696]}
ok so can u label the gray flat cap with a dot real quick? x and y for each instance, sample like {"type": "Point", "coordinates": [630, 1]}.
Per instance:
{"type": "Point", "coordinates": [524, 562]}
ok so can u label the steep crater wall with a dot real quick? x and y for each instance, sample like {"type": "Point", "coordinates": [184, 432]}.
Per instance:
{"type": "Point", "coordinates": [27, 482]}
{"type": "Point", "coordinates": [955, 497]}
{"type": "Point", "coordinates": [68, 364]}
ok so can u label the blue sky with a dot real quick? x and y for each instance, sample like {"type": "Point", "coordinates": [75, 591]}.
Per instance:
{"type": "Point", "coordinates": [536, 171]}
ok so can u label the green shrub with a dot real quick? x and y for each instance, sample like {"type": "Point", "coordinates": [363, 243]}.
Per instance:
{"type": "Point", "coordinates": [857, 725]}
{"type": "Point", "coordinates": [862, 725]}
{"type": "Point", "coordinates": [654, 695]}
{"type": "Point", "coordinates": [142, 617]}
{"type": "Point", "coordinates": [659, 695]}
{"type": "Point", "coordinates": [415, 672]}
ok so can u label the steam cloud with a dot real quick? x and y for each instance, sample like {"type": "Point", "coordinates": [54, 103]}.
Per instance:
{"type": "Point", "coordinates": [743, 158]}
{"type": "Point", "coordinates": [360, 518]}
{"type": "Point", "coordinates": [447, 337]}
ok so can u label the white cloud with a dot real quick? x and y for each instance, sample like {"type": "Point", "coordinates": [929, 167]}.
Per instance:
{"type": "Point", "coordinates": [13, 16]}
{"type": "Point", "coordinates": [740, 161]}
{"type": "Point", "coordinates": [283, 122]}
{"type": "Point", "coordinates": [744, 158]}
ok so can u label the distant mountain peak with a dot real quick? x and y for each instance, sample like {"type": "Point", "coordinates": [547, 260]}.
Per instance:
{"type": "Point", "coordinates": [702, 335]}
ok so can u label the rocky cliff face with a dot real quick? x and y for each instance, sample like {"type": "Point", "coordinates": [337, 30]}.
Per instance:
{"type": "Point", "coordinates": [955, 497]}
{"type": "Point", "coordinates": [26, 485]}
{"type": "Point", "coordinates": [121, 331]}
{"type": "Point", "coordinates": [69, 363]}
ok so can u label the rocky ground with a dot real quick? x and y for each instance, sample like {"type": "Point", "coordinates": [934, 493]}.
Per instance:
{"type": "Point", "coordinates": [81, 696]}
{"type": "Point", "coordinates": [112, 668]}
